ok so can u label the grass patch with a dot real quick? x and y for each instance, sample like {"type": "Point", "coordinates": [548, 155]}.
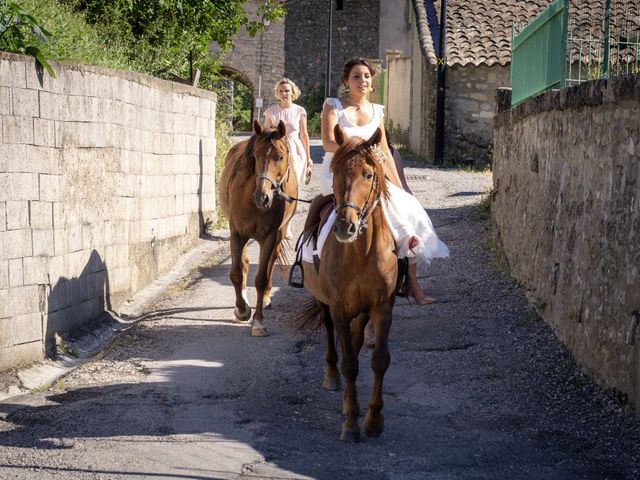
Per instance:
{"type": "Point", "coordinates": [73, 40]}
{"type": "Point", "coordinates": [483, 209]}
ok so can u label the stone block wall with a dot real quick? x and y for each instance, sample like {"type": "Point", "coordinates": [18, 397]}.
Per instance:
{"type": "Point", "coordinates": [567, 206]}
{"type": "Point", "coordinates": [355, 34]}
{"type": "Point", "coordinates": [105, 178]}
{"type": "Point", "coordinates": [470, 107]}
{"type": "Point", "coordinates": [258, 60]}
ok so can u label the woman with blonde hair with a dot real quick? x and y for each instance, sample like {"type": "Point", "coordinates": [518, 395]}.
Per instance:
{"type": "Point", "coordinates": [295, 119]}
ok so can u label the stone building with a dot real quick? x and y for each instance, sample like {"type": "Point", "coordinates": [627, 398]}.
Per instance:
{"type": "Point", "coordinates": [478, 56]}
{"type": "Point", "coordinates": [297, 47]}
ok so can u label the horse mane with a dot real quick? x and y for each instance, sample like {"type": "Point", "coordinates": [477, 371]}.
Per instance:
{"type": "Point", "coordinates": [351, 153]}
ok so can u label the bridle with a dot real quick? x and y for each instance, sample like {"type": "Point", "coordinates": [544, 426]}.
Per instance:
{"type": "Point", "coordinates": [368, 207]}
{"type": "Point", "coordinates": [276, 186]}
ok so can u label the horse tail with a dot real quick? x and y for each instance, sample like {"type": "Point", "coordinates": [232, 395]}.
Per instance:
{"type": "Point", "coordinates": [308, 316]}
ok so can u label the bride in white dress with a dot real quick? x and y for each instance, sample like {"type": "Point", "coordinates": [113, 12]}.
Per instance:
{"type": "Point", "coordinates": [409, 223]}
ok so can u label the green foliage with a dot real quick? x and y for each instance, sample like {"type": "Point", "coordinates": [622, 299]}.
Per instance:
{"type": "Point", "coordinates": [161, 34]}
{"type": "Point", "coordinates": [13, 21]}
{"type": "Point", "coordinates": [314, 123]}
{"type": "Point", "coordinates": [242, 108]}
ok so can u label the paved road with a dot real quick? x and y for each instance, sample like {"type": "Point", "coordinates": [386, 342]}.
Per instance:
{"type": "Point", "coordinates": [478, 387]}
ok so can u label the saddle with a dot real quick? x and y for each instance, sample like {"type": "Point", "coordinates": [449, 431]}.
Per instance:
{"type": "Point", "coordinates": [319, 211]}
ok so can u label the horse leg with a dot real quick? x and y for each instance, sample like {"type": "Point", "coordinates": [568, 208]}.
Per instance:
{"type": "Point", "coordinates": [357, 331]}
{"type": "Point", "coordinates": [374, 419]}
{"type": "Point", "coordinates": [332, 375]}
{"type": "Point", "coordinates": [267, 248]}
{"type": "Point", "coordinates": [349, 366]}
{"type": "Point", "coordinates": [238, 276]}
{"type": "Point", "coordinates": [266, 302]}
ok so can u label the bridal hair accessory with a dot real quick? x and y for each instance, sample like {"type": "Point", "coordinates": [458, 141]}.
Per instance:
{"type": "Point", "coordinates": [377, 153]}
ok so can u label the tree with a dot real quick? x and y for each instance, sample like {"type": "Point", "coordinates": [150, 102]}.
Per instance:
{"type": "Point", "coordinates": [166, 31]}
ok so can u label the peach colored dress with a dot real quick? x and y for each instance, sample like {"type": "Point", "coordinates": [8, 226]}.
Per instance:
{"type": "Point", "coordinates": [291, 117]}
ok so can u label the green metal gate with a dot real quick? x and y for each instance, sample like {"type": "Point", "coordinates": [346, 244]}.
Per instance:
{"type": "Point", "coordinates": [562, 48]}
{"type": "Point", "coordinates": [538, 53]}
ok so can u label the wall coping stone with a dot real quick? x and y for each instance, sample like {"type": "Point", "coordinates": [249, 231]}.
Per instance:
{"type": "Point", "coordinates": [141, 78]}
{"type": "Point", "coordinates": [587, 94]}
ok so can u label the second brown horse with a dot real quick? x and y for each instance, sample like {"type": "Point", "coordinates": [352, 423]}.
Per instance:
{"type": "Point", "coordinates": [356, 280]}
{"type": "Point", "coordinates": [258, 188]}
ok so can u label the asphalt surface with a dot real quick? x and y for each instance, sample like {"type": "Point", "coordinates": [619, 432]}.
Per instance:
{"type": "Point", "coordinates": [478, 387]}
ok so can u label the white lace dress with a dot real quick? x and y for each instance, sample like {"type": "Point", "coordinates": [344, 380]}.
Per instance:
{"type": "Point", "coordinates": [407, 219]}
{"type": "Point", "coordinates": [291, 117]}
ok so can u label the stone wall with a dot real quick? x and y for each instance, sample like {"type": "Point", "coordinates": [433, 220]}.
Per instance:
{"type": "Point", "coordinates": [470, 107]}
{"type": "Point", "coordinates": [567, 206]}
{"type": "Point", "coordinates": [424, 91]}
{"type": "Point", "coordinates": [398, 107]}
{"type": "Point", "coordinates": [355, 33]}
{"type": "Point", "coordinates": [258, 62]}
{"type": "Point", "coordinates": [105, 177]}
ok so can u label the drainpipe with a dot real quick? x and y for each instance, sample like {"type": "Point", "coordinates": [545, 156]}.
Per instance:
{"type": "Point", "coordinates": [442, 68]}
{"type": "Point", "coordinates": [327, 78]}
{"type": "Point", "coordinates": [327, 84]}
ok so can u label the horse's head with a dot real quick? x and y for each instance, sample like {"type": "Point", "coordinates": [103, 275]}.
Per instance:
{"type": "Point", "coordinates": [358, 182]}
{"type": "Point", "coordinates": [272, 167]}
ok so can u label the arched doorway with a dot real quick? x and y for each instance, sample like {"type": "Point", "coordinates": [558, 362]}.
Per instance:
{"type": "Point", "coordinates": [240, 93]}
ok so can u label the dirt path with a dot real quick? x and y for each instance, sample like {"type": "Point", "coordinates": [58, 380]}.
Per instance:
{"type": "Point", "coordinates": [478, 388]}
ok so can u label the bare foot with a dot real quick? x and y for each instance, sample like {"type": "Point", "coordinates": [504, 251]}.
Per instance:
{"type": "Point", "coordinates": [420, 297]}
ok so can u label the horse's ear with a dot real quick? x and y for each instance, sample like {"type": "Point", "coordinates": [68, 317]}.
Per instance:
{"type": "Point", "coordinates": [374, 139]}
{"type": "Point", "coordinates": [257, 128]}
{"type": "Point", "coordinates": [282, 129]}
{"type": "Point", "coordinates": [339, 134]}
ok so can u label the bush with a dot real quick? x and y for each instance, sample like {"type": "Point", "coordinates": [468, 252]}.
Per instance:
{"type": "Point", "coordinates": [18, 29]}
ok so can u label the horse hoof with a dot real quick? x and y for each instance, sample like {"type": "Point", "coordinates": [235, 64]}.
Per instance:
{"type": "Point", "coordinates": [372, 432]}
{"type": "Point", "coordinates": [350, 436]}
{"type": "Point", "coordinates": [259, 332]}
{"type": "Point", "coordinates": [331, 383]}
{"type": "Point", "coordinates": [242, 317]}
{"type": "Point", "coordinates": [373, 428]}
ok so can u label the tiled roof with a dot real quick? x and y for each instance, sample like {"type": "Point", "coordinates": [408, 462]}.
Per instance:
{"type": "Point", "coordinates": [424, 33]}
{"type": "Point", "coordinates": [479, 31]}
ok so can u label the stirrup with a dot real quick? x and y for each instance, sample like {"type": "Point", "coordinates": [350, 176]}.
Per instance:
{"type": "Point", "coordinates": [296, 273]}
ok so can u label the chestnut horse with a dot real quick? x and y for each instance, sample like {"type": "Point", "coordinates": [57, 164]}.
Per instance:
{"type": "Point", "coordinates": [356, 279]}
{"type": "Point", "coordinates": [257, 195]}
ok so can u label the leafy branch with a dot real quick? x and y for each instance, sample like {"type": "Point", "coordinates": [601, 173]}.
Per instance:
{"type": "Point", "coordinates": [12, 20]}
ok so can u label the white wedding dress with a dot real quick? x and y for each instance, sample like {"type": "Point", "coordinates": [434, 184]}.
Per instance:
{"type": "Point", "coordinates": [407, 219]}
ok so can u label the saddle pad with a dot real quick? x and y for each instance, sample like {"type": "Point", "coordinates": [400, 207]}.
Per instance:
{"type": "Point", "coordinates": [307, 247]}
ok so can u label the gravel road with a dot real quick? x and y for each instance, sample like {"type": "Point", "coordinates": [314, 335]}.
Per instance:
{"type": "Point", "coordinates": [478, 387]}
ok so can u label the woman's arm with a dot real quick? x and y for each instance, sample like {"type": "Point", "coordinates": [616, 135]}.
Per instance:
{"type": "Point", "coordinates": [268, 120]}
{"type": "Point", "coordinates": [329, 121]}
{"type": "Point", "coordinates": [304, 136]}
{"type": "Point", "coordinates": [389, 164]}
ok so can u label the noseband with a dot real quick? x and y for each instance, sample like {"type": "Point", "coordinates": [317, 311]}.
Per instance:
{"type": "Point", "coordinates": [368, 207]}
{"type": "Point", "coordinates": [277, 185]}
